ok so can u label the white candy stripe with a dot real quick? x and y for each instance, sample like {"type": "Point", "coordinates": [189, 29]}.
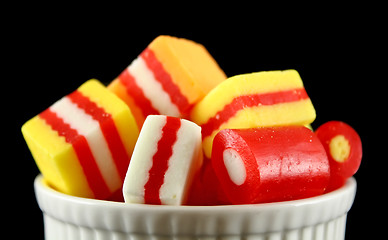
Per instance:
{"type": "Point", "coordinates": [90, 129]}
{"type": "Point", "coordinates": [235, 166]}
{"type": "Point", "coordinates": [185, 153]}
{"type": "Point", "coordinates": [152, 89]}
{"type": "Point", "coordinates": [142, 159]}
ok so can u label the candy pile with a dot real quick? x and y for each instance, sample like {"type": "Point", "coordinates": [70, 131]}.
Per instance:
{"type": "Point", "coordinates": [172, 129]}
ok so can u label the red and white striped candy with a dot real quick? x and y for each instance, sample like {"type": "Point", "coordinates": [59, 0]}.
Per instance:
{"type": "Point", "coordinates": [166, 157]}
{"type": "Point", "coordinates": [270, 164]}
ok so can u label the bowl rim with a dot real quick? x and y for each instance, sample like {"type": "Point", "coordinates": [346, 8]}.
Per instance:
{"type": "Point", "coordinates": [42, 187]}
{"type": "Point", "coordinates": [193, 220]}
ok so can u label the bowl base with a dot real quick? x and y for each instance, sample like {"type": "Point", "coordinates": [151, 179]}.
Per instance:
{"type": "Point", "coordinates": [59, 230]}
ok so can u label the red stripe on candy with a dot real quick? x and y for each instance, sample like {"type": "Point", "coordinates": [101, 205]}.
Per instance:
{"type": "Point", "coordinates": [108, 128]}
{"type": "Point", "coordinates": [247, 101]}
{"type": "Point", "coordinates": [160, 160]}
{"type": "Point", "coordinates": [162, 76]}
{"type": "Point", "coordinates": [84, 154]}
{"type": "Point", "coordinates": [137, 94]}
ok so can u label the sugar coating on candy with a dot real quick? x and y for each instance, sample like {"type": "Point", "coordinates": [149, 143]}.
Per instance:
{"type": "Point", "coordinates": [83, 141]}
{"type": "Point", "coordinates": [165, 159]}
{"type": "Point", "coordinates": [274, 98]}
{"type": "Point", "coordinates": [269, 164]}
{"type": "Point", "coordinates": [167, 78]}
{"type": "Point", "coordinates": [344, 150]}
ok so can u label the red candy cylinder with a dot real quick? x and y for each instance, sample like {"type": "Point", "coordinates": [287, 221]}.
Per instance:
{"type": "Point", "coordinates": [270, 164]}
{"type": "Point", "coordinates": [205, 189]}
{"type": "Point", "coordinates": [344, 150]}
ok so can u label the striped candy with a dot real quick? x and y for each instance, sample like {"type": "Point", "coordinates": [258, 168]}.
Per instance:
{"type": "Point", "coordinates": [165, 159]}
{"type": "Point", "coordinates": [344, 151]}
{"type": "Point", "coordinates": [260, 99]}
{"type": "Point", "coordinates": [83, 143]}
{"type": "Point", "coordinates": [270, 164]}
{"type": "Point", "coordinates": [167, 78]}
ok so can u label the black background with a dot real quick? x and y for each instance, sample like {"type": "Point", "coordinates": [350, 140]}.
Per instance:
{"type": "Point", "coordinates": [339, 58]}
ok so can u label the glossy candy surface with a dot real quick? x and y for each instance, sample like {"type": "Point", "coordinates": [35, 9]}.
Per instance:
{"type": "Point", "coordinates": [249, 127]}
{"type": "Point", "coordinates": [166, 157]}
{"type": "Point", "coordinates": [261, 99]}
{"type": "Point", "coordinates": [167, 78]}
{"type": "Point", "coordinates": [82, 144]}
{"type": "Point", "coordinates": [206, 189]}
{"type": "Point", "coordinates": [344, 150]}
{"type": "Point", "coordinates": [270, 164]}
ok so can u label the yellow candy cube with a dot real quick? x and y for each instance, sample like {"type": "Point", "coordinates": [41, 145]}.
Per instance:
{"type": "Point", "coordinates": [261, 99]}
{"type": "Point", "coordinates": [82, 144]}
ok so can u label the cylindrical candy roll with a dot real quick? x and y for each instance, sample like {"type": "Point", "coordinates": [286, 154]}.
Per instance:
{"type": "Point", "coordinates": [270, 164]}
{"type": "Point", "coordinates": [344, 150]}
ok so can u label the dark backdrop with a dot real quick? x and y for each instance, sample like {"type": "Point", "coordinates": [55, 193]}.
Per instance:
{"type": "Point", "coordinates": [50, 56]}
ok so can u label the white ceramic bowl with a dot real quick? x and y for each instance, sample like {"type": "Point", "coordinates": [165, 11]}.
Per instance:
{"type": "Point", "coordinates": [68, 217]}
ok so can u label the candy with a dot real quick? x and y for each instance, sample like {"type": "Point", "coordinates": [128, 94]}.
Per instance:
{"type": "Point", "coordinates": [260, 99]}
{"type": "Point", "coordinates": [344, 150]}
{"type": "Point", "coordinates": [270, 164]}
{"type": "Point", "coordinates": [206, 189]}
{"type": "Point", "coordinates": [168, 77]}
{"type": "Point", "coordinates": [82, 144]}
{"type": "Point", "coordinates": [166, 157]}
